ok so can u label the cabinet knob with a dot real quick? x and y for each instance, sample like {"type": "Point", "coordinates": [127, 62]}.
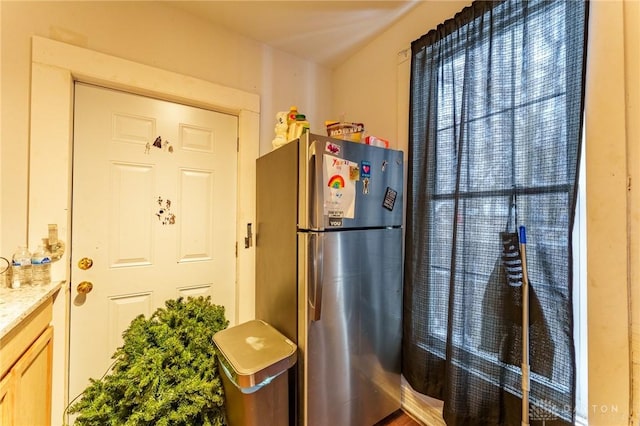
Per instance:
{"type": "Point", "coordinates": [84, 287]}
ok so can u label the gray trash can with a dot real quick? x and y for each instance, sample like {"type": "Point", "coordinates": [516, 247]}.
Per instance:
{"type": "Point", "coordinates": [253, 362]}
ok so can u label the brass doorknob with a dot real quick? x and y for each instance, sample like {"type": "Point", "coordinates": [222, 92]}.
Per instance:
{"type": "Point", "coordinates": [85, 263]}
{"type": "Point", "coordinates": [84, 287]}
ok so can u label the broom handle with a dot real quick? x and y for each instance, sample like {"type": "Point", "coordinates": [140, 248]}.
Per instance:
{"type": "Point", "coordinates": [525, 328]}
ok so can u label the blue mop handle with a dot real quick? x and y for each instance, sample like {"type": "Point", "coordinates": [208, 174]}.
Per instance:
{"type": "Point", "coordinates": [523, 235]}
{"type": "Point", "coordinates": [525, 329]}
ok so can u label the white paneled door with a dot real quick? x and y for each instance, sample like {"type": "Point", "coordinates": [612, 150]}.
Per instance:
{"type": "Point", "coordinates": [154, 216]}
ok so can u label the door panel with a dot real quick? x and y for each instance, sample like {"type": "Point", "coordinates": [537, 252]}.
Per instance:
{"type": "Point", "coordinates": [131, 232]}
{"type": "Point", "coordinates": [195, 236]}
{"type": "Point", "coordinates": [121, 310]}
{"type": "Point", "coordinates": [154, 207]}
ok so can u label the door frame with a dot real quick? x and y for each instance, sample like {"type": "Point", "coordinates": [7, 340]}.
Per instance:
{"type": "Point", "coordinates": [55, 67]}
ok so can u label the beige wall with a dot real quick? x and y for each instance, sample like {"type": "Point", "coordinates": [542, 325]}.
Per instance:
{"type": "Point", "coordinates": [610, 135]}
{"type": "Point", "coordinates": [379, 78]}
{"type": "Point", "coordinates": [149, 33]}
{"type": "Point", "coordinates": [367, 87]}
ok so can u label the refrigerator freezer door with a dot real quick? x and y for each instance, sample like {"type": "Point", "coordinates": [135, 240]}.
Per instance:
{"type": "Point", "coordinates": [352, 354]}
{"type": "Point", "coordinates": [349, 185]}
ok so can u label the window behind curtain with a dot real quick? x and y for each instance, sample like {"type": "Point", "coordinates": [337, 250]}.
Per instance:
{"type": "Point", "coordinates": [496, 118]}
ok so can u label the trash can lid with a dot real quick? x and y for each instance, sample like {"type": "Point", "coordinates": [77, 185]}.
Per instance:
{"type": "Point", "coordinates": [255, 352]}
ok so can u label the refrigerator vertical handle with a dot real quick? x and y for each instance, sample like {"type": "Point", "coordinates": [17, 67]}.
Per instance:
{"type": "Point", "coordinates": [314, 290]}
{"type": "Point", "coordinates": [312, 188]}
{"type": "Point", "coordinates": [310, 200]}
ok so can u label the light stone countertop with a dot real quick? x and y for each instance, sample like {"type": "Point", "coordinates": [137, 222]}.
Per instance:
{"type": "Point", "coordinates": [17, 304]}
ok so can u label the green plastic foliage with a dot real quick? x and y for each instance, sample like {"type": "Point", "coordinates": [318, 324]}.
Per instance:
{"type": "Point", "coordinates": [164, 374]}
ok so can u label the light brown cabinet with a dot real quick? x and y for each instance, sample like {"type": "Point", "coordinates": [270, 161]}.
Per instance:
{"type": "Point", "coordinates": [6, 401]}
{"type": "Point", "coordinates": [25, 371]}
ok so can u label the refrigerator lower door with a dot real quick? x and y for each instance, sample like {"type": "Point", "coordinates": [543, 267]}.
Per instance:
{"type": "Point", "coordinates": [352, 324]}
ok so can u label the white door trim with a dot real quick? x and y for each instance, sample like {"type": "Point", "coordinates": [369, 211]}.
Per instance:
{"type": "Point", "coordinates": [54, 69]}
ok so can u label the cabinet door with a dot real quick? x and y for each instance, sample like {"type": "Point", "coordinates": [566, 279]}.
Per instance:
{"type": "Point", "coordinates": [32, 376]}
{"type": "Point", "coordinates": [6, 400]}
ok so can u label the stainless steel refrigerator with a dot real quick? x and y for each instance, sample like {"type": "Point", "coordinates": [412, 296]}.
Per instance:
{"type": "Point", "coordinates": [329, 274]}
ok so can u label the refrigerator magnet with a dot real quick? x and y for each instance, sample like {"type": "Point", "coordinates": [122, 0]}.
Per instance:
{"type": "Point", "coordinates": [389, 199]}
{"type": "Point", "coordinates": [354, 172]}
{"type": "Point", "coordinates": [365, 169]}
{"type": "Point", "coordinates": [365, 186]}
{"type": "Point", "coordinates": [332, 148]}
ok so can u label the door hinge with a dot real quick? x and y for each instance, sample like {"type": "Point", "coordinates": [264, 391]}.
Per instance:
{"type": "Point", "coordinates": [628, 183]}
{"type": "Point", "coordinates": [236, 249]}
{"type": "Point", "coordinates": [238, 144]}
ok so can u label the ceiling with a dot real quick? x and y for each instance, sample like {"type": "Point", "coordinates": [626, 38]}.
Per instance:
{"type": "Point", "coordinates": [325, 32]}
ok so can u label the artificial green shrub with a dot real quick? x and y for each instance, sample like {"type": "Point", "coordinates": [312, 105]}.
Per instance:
{"type": "Point", "coordinates": [164, 374]}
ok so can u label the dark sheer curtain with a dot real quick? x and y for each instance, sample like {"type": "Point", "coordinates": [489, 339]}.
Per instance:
{"type": "Point", "coordinates": [497, 97]}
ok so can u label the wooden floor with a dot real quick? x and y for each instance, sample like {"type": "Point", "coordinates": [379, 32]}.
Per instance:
{"type": "Point", "coordinates": [399, 418]}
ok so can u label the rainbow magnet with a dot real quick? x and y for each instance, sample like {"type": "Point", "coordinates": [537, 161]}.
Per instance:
{"type": "Point", "coordinates": [336, 182]}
